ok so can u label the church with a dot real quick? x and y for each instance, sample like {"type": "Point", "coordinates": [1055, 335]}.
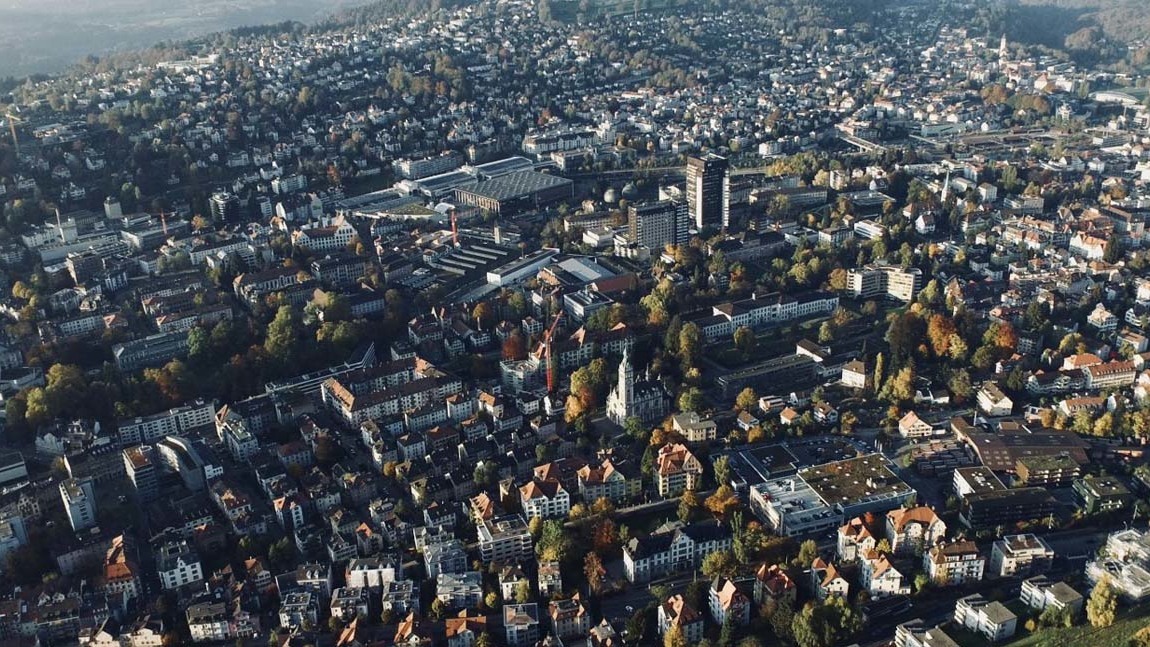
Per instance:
{"type": "Point", "coordinates": [645, 399]}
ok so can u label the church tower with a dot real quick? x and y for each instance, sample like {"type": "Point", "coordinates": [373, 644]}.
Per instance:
{"type": "Point", "coordinates": [627, 382]}
{"type": "Point", "coordinates": [1002, 51]}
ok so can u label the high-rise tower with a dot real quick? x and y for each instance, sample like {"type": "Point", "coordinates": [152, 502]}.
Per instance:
{"type": "Point", "coordinates": [709, 191]}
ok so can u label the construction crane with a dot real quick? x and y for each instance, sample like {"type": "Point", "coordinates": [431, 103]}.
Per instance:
{"type": "Point", "coordinates": [163, 216]}
{"type": "Point", "coordinates": [550, 367]}
{"type": "Point", "coordinates": [12, 119]}
{"type": "Point", "coordinates": [454, 229]}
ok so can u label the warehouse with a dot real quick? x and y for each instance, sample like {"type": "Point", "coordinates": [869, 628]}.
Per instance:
{"type": "Point", "coordinates": [516, 192]}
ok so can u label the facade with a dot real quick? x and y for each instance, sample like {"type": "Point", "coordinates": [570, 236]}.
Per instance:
{"type": "Point", "coordinates": [727, 603]}
{"type": "Point", "coordinates": [895, 282]}
{"type": "Point", "coordinates": [709, 191]}
{"type": "Point", "coordinates": [546, 499]}
{"type": "Point", "coordinates": [141, 464]}
{"type": "Point", "coordinates": [676, 612]}
{"type": "Point", "coordinates": [826, 580]}
{"type": "Point", "coordinates": [774, 583]}
{"type": "Point", "coordinates": [670, 551]}
{"type": "Point", "coordinates": [990, 619]}
{"type": "Point", "coordinates": [570, 618]}
{"type": "Point", "coordinates": [79, 499]}
{"type": "Point", "coordinates": [1101, 494]}
{"type": "Point", "coordinates": [1020, 555]}
{"type": "Point", "coordinates": [1039, 592]}
{"type": "Point", "coordinates": [911, 531]}
{"type": "Point", "coordinates": [644, 399]}
{"type": "Point", "coordinates": [954, 564]}
{"type": "Point", "coordinates": [880, 578]}
{"type": "Point", "coordinates": [677, 470]}
{"type": "Point", "coordinates": [504, 540]}
{"type": "Point", "coordinates": [178, 565]}
{"type": "Point", "coordinates": [657, 224]}
{"type": "Point", "coordinates": [521, 624]}
{"type": "Point", "coordinates": [856, 539]}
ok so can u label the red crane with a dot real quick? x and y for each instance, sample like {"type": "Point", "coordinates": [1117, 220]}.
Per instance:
{"type": "Point", "coordinates": [547, 336]}
{"type": "Point", "coordinates": [454, 230]}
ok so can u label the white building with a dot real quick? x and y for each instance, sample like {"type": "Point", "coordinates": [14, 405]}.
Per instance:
{"type": "Point", "coordinates": [1020, 555]}
{"type": "Point", "coordinates": [990, 619]}
{"type": "Point", "coordinates": [79, 498]}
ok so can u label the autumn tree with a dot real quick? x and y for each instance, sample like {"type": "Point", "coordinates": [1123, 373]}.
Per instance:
{"type": "Point", "coordinates": [721, 563]}
{"type": "Point", "coordinates": [514, 347]}
{"type": "Point", "coordinates": [722, 502]}
{"type": "Point", "coordinates": [745, 340]}
{"type": "Point", "coordinates": [747, 398]}
{"type": "Point", "coordinates": [1102, 607]}
{"type": "Point", "coordinates": [594, 572]}
{"type": "Point", "coordinates": [689, 506]}
{"type": "Point", "coordinates": [691, 399]}
{"type": "Point", "coordinates": [808, 551]}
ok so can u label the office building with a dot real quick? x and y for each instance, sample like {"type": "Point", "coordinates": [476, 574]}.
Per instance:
{"type": "Point", "coordinates": [141, 463]}
{"type": "Point", "coordinates": [892, 281]}
{"type": "Point", "coordinates": [709, 191]}
{"type": "Point", "coordinates": [657, 224]}
{"type": "Point", "coordinates": [79, 498]}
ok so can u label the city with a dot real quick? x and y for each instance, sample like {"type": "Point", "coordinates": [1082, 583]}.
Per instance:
{"type": "Point", "coordinates": [472, 323]}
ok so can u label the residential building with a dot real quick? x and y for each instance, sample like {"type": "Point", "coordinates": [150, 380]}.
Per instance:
{"type": "Point", "coordinates": [727, 602]}
{"type": "Point", "coordinates": [880, 578]}
{"type": "Point", "coordinates": [521, 624]}
{"type": "Point", "coordinates": [570, 618]}
{"type": "Point", "coordinates": [857, 539]}
{"type": "Point", "coordinates": [546, 499]}
{"type": "Point", "coordinates": [1102, 494]}
{"type": "Point", "coordinates": [774, 583]}
{"type": "Point", "coordinates": [993, 402]}
{"type": "Point", "coordinates": [141, 466]}
{"type": "Point", "coordinates": [826, 580]}
{"type": "Point", "coordinates": [992, 620]}
{"type": "Point", "coordinates": [676, 612]}
{"type": "Point", "coordinates": [178, 565]}
{"type": "Point", "coordinates": [912, 531]}
{"type": "Point", "coordinates": [954, 564]}
{"type": "Point", "coordinates": [676, 470]}
{"type": "Point", "coordinates": [911, 426]}
{"type": "Point", "coordinates": [1039, 592]}
{"type": "Point", "coordinates": [504, 540]}
{"type": "Point", "coordinates": [655, 225]}
{"type": "Point", "coordinates": [674, 549]}
{"type": "Point", "coordinates": [1020, 555]}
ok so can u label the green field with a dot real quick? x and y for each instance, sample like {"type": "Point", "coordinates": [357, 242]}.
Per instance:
{"type": "Point", "coordinates": [1116, 635]}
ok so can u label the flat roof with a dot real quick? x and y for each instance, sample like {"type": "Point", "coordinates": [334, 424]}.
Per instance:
{"type": "Point", "coordinates": [517, 185]}
{"type": "Point", "coordinates": [854, 480]}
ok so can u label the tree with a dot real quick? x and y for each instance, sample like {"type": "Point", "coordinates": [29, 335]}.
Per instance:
{"type": "Point", "coordinates": [826, 332]}
{"type": "Point", "coordinates": [282, 341]}
{"type": "Point", "coordinates": [594, 572]}
{"type": "Point", "coordinates": [491, 600]}
{"type": "Point", "coordinates": [691, 399]}
{"type": "Point", "coordinates": [921, 582]}
{"type": "Point", "coordinates": [514, 347]}
{"type": "Point", "coordinates": [674, 637]}
{"type": "Point", "coordinates": [745, 340]}
{"type": "Point", "coordinates": [1102, 607]}
{"type": "Point", "coordinates": [879, 371]}
{"type": "Point", "coordinates": [808, 551]}
{"type": "Point", "coordinates": [721, 563]}
{"type": "Point", "coordinates": [690, 344]}
{"type": "Point", "coordinates": [689, 506]}
{"type": "Point", "coordinates": [722, 466]}
{"type": "Point", "coordinates": [635, 428]}
{"type": "Point", "coordinates": [723, 502]}
{"type": "Point", "coordinates": [522, 591]}
{"type": "Point", "coordinates": [833, 622]}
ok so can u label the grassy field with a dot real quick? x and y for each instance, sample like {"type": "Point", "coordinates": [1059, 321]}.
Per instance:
{"type": "Point", "coordinates": [1116, 635]}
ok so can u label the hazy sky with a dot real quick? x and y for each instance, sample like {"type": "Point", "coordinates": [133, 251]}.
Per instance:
{"type": "Point", "coordinates": [48, 35]}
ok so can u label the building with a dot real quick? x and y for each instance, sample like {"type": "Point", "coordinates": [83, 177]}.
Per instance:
{"type": "Point", "coordinates": [1039, 592]}
{"type": "Point", "coordinates": [827, 580]}
{"type": "Point", "coordinates": [990, 619]}
{"type": "Point", "coordinates": [460, 590]}
{"type": "Point", "coordinates": [880, 280]}
{"type": "Point", "coordinates": [546, 499]}
{"type": "Point", "coordinates": [1125, 560]}
{"type": "Point", "coordinates": [611, 480]}
{"type": "Point", "coordinates": [709, 191]}
{"type": "Point", "coordinates": [141, 463]}
{"type": "Point", "coordinates": [516, 192]}
{"type": "Point", "coordinates": [154, 350]}
{"type": "Point", "coordinates": [79, 499]}
{"type": "Point", "coordinates": [225, 207]}
{"type": "Point", "coordinates": [655, 225]}
{"type": "Point", "coordinates": [880, 578]}
{"type": "Point", "coordinates": [570, 617]}
{"type": "Point", "coordinates": [911, 531]}
{"type": "Point", "coordinates": [178, 565]}
{"type": "Point", "coordinates": [645, 399]}
{"type": "Point", "coordinates": [504, 540]}
{"type": "Point", "coordinates": [856, 538]}
{"type": "Point", "coordinates": [1101, 494]}
{"type": "Point", "coordinates": [677, 613]}
{"type": "Point", "coordinates": [676, 470]}
{"type": "Point", "coordinates": [1047, 470]}
{"type": "Point", "coordinates": [208, 622]}
{"type": "Point", "coordinates": [121, 572]}
{"type": "Point", "coordinates": [911, 426]}
{"type": "Point", "coordinates": [822, 497]}
{"type": "Point", "coordinates": [727, 603]}
{"type": "Point", "coordinates": [774, 583]}
{"type": "Point", "coordinates": [954, 564]}
{"type": "Point", "coordinates": [1020, 555]}
{"type": "Point", "coordinates": [521, 624]}
{"type": "Point", "coordinates": [673, 549]}
{"type": "Point", "coordinates": [993, 402]}
{"type": "Point", "coordinates": [180, 420]}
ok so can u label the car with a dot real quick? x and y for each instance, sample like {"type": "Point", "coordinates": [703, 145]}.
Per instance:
{"type": "Point", "coordinates": [629, 609]}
